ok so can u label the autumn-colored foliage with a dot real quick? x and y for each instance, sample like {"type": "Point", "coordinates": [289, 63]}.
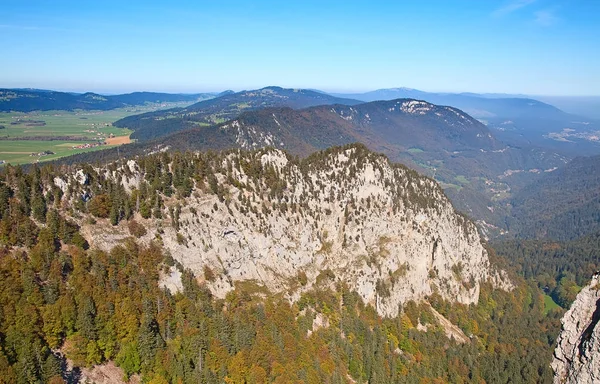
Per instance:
{"type": "Point", "coordinates": [97, 306]}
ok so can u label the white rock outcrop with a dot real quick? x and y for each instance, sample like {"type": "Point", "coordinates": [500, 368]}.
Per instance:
{"type": "Point", "coordinates": [347, 217]}
{"type": "Point", "coordinates": [577, 355]}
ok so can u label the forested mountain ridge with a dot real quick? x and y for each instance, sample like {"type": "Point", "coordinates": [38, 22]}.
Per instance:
{"type": "Point", "coordinates": [392, 123]}
{"type": "Point", "coordinates": [515, 119]}
{"type": "Point", "coordinates": [225, 107]}
{"type": "Point", "coordinates": [96, 305]}
{"type": "Point", "coordinates": [24, 100]}
{"type": "Point", "coordinates": [474, 104]}
{"type": "Point", "coordinates": [400, 128]}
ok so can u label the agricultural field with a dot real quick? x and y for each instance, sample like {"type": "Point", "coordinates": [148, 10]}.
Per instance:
{"type": "Point", "coordinates": [48, 135]}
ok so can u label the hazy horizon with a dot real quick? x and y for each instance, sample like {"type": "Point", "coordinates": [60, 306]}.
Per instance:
{"type": "Point", "coordinates": [350, 92]}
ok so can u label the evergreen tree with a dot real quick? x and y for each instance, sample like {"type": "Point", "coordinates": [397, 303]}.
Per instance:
{"type": "Point", "coordinates": [86, 318]}
{"type": "Point", "coordinates": [149, 339]}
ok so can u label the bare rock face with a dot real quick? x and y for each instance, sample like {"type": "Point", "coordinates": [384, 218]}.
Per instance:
{"type": "Point", "coordinates": [342, 216]}
{"type": "Point", "coordinates": [577, 355]}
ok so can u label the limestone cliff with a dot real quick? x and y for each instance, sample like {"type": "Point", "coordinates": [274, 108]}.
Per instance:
{"type": "Point", "coordinates": [343, 215]}
{"type": "Point", "coordinates": [577, 355]}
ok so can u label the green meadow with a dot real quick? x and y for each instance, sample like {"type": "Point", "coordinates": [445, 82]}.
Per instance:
{"type": "Point", "coordinates": [84, 125]}
{"type": "Point", "coordinates": [20, 152]}
{"type": "Point", "coordinates": [549, 304]}
{"type": "Point", "coordinates": [25, 134]}
{"type": "Point", "coordinates": [30, 133]}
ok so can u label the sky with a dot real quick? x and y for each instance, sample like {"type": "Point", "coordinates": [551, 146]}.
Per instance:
{"type": "Point", "coordinates": [535, 47]}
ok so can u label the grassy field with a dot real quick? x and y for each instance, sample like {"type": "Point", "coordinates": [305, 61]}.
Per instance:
{"type": "Point", "coordinates": [84, 125]}
{"type": "Point", "coordinates": [25, 134]}
{"type": "Point", "coordinates": [549, 304]}
{"type": "Point", "coordinates": [20, 152]}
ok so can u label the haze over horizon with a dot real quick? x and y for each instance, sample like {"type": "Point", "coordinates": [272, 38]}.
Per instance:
{"type": "Point", "coordinates": [533, 47]}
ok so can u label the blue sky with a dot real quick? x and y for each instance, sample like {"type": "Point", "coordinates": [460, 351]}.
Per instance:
{"type": "Point", "coordinates": [544, 47]}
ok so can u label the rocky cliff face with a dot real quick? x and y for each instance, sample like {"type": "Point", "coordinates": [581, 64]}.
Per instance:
{"type": "Point", "coordinates": [345, 215]}
{"type": "Point", "coordinates": [577, 355]}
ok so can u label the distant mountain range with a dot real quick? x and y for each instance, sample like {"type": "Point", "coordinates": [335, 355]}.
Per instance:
{"type": "Point", "coordinates": [220, 109]}
{"type": "Point", "coordinates": [516, 120]}
{"type": "Point", "coordinates": [478, 106]}
{"type": "Point", "coordinates": [410, 126]}
{"type": "Point", "coordinates": [27, 100]}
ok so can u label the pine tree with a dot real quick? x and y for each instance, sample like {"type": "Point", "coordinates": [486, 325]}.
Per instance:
{"type": "Point", "coordinates": [38, 207]}
{"type": "Point", "coordinates": [149, 339]}
{"type": "Point", "coordinates": [5, 195]}
{"type": "Point", "coordinates": [86, 318]}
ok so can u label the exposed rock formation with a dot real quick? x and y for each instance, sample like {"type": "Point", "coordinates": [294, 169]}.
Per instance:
{"type": "Point", "coordinates": [345, 215]}
{"type": "Point", "coordinates": [577, 355]}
